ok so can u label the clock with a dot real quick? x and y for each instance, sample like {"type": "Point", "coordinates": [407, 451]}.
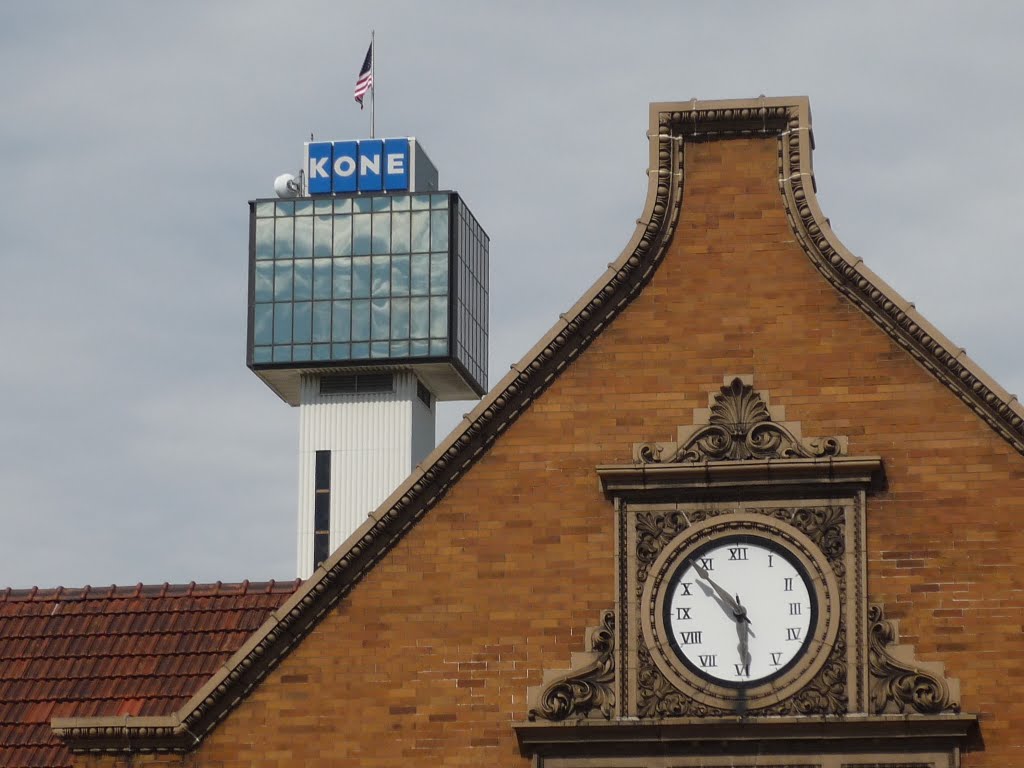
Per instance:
{"type": "Point", "coordinates": [740, 610]}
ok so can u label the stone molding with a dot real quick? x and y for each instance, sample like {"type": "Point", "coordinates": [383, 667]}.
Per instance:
{"type": "Point", "coordinates": [671, 125]}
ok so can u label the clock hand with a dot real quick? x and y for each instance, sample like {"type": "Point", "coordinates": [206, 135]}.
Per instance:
{"type": "Point", "coordinates": [738, 611]}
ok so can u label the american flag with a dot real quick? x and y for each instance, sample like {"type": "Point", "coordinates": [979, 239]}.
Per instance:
{"type": "Point", "coordinates": [365, 80]}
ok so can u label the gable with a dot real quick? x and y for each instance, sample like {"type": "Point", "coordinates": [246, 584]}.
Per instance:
{"type": "Point", "coordinates": [433, 626]}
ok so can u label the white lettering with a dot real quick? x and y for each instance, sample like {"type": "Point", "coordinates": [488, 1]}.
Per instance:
{"type": "Point", "coordinates": [396, 164]}
{"type": "Point", "coordinates": [369, 164]}
{"type": "Point", "coordinates": [344, 166]}
{"type": "Point", "coordinates": [318, 167]}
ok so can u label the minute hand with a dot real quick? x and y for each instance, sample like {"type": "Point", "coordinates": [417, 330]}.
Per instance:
{"type": "Point", "coordinates": [739, 612]}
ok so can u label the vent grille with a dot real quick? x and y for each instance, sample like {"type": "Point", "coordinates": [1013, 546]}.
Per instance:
{"type": "Point", "coordinates": [357, 384]}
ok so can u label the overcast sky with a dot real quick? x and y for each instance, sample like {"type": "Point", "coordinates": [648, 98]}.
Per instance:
{"type": "Point", "coordinates": [134, 443]}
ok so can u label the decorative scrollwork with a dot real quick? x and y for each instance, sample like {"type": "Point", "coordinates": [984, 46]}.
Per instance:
{"type": "Point", "coordinates": [658, 698]}
{"type": "Point", "coordinates": [898, 687]}
{"type": "Point", "coordinates": [584, 690]}
{"type": "Point", "coordinates": [826, 693]}
{"type": "Point", "coordinates": [739, 428]}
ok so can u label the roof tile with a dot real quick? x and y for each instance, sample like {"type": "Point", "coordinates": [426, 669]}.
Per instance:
{"type": "Point", "coordinates": [94, 651]}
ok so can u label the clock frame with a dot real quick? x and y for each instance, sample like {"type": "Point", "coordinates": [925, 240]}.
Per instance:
{"type": "Point", "coordinates": [708, 690]}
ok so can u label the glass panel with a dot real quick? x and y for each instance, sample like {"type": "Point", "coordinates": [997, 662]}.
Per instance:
{"type": "Point", "coordinates": [323, 237]}
{"type": "Point", "coordinates": [361, 234]}
{"type": "Point", "coordinates": [420, 226]}
{"type": "Point", "coordinates": [360, 320]}
{"type": "Point", "coordinates": [400, 233]}
{"type": "Point", "coordinates": [381, 276]}
{"type": "Point", "coordinates": [342, 235]}
{"type": "Point", "coordinates": [380, 324]}
{"type": "Point", "coordinates": [438, 230]}
{"type": "Point", "coordinates": [438, 347]}
{"type": "Point", "coordinates": [438, 316]}
{"type": "Point", "coordinates": [419, 348]}
{"type": "Point", "coordinates": [322, 278]}
{"type": "Point", "coordinates": [381, 203]}
{"type": "Point", "coordinates": [263, 324]}
{"type": "Point", "coordinates": [341, 324]}
{"type": "Point", "coordinates": [304, 237]}
{"type": "Point", "coordinates": [360, 351]}
{"type": "Point", "coordinates": [362, 205]}
{"type": "Point", "coordinates": [419, 313]}
{"type": "Point", "coordinates": [283, 238]}
{"type": "Point", "coordinates": [321, 351]}
{"type": "Point", "coordinates": [261, 355]}
{"type": "Point", "coordinates": [420, 269]}
{"type": "Point", "coordinates": [303, 207]}
{"type": "Point", "coordinates": [400, 203]}
{"type": "Point", "coordinates": [285, 208]}
{"type": "Point", "coordinates": [301, 321]}
{"type": "Point", "coordinates": [301, 352]}
{"type": "Point", "coordinates": [361, 277]}
{"type": "Point", "coordinates": [439, 201]}
{"type": "Point", "coordinates": [400, 276]}
{"type": "Point", "coordinates": [399, 348]}
{"type": "Point", "coordinates": [264, 238]}
{"type": "Point", "coordinates": [282, 323]}
{"type": "Point", "coordinates": [379, 349]}
{"type": "Point", "coordinates": [381, 233]}
{"type": "Point", "coordinates": [400, 318]}
{"type": "Point", "coordinates": [303, 280]}
{"type": "Point", "coordinates": [438, 273]}
{"type": "Point", "coordinates": [323, 206]}
{"type": "Point", "coordinates": [265, 208]}
{"type": "Point", "coordinates": [420, 202]}
{"type": "Point", "coordinates": [283, 280]}
{"type": "Point", "coordinates": [283, 354]}
{"type": "Point", "coordinates": [343, 205]}
{"type": "Point", "coordinates": [264, 281]}
{"type": "Point", "coordinates": [342, 278]}
{"type": "Point", "coordinates": [340, 352]}
{"type": "Point", "coordinates": [321, 321]}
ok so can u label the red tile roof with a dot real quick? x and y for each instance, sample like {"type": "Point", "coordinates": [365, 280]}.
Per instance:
{"type": "Point", "coordinates": [141, 650]}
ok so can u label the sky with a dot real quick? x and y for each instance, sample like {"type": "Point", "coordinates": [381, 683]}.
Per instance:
{"type": "Point", "coordinates": [134, 443]}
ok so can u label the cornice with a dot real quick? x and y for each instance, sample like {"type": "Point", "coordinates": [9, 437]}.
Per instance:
{"type": "Point", "coordinates": [574, 331]}
{"type": "Point", "coordinates": [672, 124]}
{"type": "Point", "coordinates": [891, 312]}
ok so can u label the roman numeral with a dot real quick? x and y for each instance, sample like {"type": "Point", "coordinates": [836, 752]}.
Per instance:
{"type": "Point", "coordinates": [788, 585]}
{"type": "Point", "coordinates": [793, 633]}
{"type": "Point", "coordinates": [686, 587]}
{"type": "Point", "coordinates": [690, 638]}
{"type": "Point", "coordinates": [794, 609]}
{"type": "Point", "coordinates": [770, 557]}
{"type": "Point", "coordinates": [682, 614]}
{"type": "Point", "coordinates": [742, 670]}
{"type": "Point", "coordinates": [775, 658]}
{"type": "Point", "coordinates": [711, 660]}
{"type": "Point", "coordinates": [707, 563]}
{"type": "Point", "coordinates": [737, 553]}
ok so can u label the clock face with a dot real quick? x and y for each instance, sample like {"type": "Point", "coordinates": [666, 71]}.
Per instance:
{"type": "Point", "coordinates": [740, 610]}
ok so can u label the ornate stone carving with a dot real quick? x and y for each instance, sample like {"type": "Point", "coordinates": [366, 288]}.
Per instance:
{"type": "Point", "coordinates": [589, 688]}
{"type": "Point", "coordinates": [899, 684]}
{"type": "Point", "coordinates": [658, 698]}
{"type": "Point", "coordinates": [739, 428]}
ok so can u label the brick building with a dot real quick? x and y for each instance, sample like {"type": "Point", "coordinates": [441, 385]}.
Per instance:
{"type": "Point", "coordinates": [742, 505]}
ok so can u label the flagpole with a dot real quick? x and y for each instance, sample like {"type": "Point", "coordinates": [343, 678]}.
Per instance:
{"type": "Point", "coordinates": [373, 83]}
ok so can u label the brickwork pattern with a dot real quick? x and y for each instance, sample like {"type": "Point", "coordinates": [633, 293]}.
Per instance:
{"type": "Point", "coordinates": [428, 660]}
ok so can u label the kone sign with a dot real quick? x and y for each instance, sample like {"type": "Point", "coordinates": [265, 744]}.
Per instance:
{"type": "Point", "coordinates": [370, 165]}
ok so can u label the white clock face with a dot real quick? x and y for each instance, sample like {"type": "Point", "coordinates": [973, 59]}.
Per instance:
{"type": "Point", "coordinates": [740, 610]}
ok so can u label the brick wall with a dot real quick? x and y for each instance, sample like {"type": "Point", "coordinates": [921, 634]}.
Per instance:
{"type": "Point", "coordinates": [428, 660]}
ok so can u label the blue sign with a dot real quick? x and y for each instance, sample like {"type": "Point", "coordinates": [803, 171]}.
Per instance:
{"type": "Point", "coordinates": [371, 165]}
